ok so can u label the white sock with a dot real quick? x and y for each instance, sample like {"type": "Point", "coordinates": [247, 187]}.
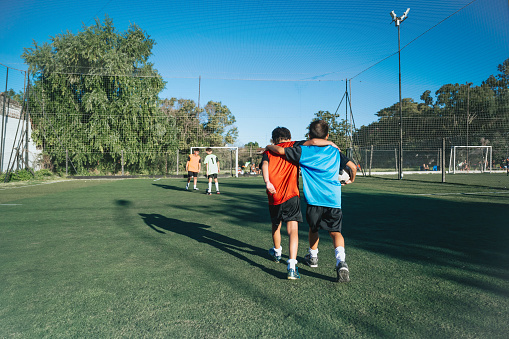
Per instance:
{"type": "Point", "coordinates": [340, 254]}
{"type": "Point", "coordinates": [278, 250]}
{"type": "Point", "coordinates": [217, 187]}
{"type": "Point", "coordinates": [313, 253]}
{"type": "Point", "coordinates": [291, 263]}
{"type": "Point", "coordinates": [187, 185]}
{"type": "Point", "coordinates": [194, 186]}
{"type": "Point", "coordinates": [210, 186]}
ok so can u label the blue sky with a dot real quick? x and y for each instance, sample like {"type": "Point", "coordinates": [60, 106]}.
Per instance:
{"type": "Point", "coordinates": [276, 63]}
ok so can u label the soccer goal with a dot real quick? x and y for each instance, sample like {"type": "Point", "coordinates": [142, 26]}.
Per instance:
{"type": "Point", "coordinates": [227, 156]}
{"type": "Point", "coordinates": [470, 159]}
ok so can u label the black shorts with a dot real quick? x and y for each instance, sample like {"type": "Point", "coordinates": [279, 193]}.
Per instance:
{"type": "Point", "coordinates": [212, 176]}
{"type": "Point", "coordinates": [192, 174]}
{"type": "Point", "coordinates": [327, 218]}
{"type": "Point", "coordinates": [287, 211]}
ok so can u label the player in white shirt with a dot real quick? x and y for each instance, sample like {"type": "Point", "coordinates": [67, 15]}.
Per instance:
{"type": "Point", "coordinates": [212, 164]}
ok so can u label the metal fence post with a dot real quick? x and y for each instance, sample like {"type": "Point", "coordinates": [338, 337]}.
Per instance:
{"type": "Point", "coordinates": [66, 162]}
{"type": "Point", "coordinates": [443, 160]}
{"type": "Point", "coordinates": [122, 162]}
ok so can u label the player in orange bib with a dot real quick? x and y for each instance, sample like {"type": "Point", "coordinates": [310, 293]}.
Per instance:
{"type": "Point", "coordinates": [193, 167]}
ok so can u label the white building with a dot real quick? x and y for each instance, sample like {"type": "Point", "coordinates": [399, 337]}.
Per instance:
{"type": "Point", "coordinates": [11, 121]}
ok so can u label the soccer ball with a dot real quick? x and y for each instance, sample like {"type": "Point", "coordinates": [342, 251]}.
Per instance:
{"type": "Point", "coordinates": [343, 176]}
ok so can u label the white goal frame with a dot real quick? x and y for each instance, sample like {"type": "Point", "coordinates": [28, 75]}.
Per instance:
{"type": "Point", "coordinates": [486, 166]}
{"type": "Point", "coordinates": [231, 148]}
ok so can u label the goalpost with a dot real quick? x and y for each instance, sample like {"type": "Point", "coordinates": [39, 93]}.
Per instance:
{"type": "Point", "coordinates": [471, 159]}
{"type": "Point", "coordinates": [225, 156]}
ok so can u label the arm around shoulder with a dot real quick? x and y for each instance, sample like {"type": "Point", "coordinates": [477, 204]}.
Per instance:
{"type": "Point", "coordinates": [275, 149]}
{"type": "Point", "coordinates": [320, 142]}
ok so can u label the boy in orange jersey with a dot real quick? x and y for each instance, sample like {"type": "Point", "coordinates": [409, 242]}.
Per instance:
{"type": "Point", "coordinates": [193, 167]}
{"type": "Point", "coordinates": [281, 179]}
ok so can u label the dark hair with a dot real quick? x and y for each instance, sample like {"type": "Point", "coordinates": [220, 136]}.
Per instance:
{"type": "Point", "coordinates": [280, 133]}
{"type": "Point", "coordinates": [208, 149]}
{"type": "Point", "coordinates": [318, 129]}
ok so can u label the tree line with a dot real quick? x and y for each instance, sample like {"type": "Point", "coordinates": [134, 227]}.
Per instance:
{"type": "Point", "coordinates": [461, 113]}
{"type": "Point", "coordinates": [96, 95]}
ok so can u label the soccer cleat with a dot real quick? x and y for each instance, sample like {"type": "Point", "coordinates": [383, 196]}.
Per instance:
{"type": "Point", "coordinates": [311, 261]}
{"type": "Point", "coordinates": [293, 274]}
{"type": "Point", "coordinates": [343, 274]}
{"type": "Point", "coordinates": [273, 255]}
{"type": "Point", "coordinates": [196, 189]}
{"type": "Point", "coordinates": [208, 193]}
{"type": "Point", "coordinates": [217, 192]}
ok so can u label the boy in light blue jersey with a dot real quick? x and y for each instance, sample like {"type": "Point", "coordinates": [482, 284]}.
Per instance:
{"type": "Point", "coordinates": [320, 167]}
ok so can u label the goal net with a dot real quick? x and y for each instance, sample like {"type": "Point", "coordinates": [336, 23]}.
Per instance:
{"type": "Point", "coordinates": [470, 159]}
{"type": "Point", "coordinates": [228, 158]}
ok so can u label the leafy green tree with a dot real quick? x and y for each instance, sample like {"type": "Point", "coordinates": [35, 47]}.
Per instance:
{"type": "Point", "coordinates": [184, 117]}
{"type": "Point", "coordinates": [252, 144]}
{"type": "Point", "coordinates": [95, 94]}
{"type": "Point", "coordinates": [338, 128]}
{"type": "Point", "coordinates": [17, 97]}
{"type": "Point", "coordinates": [218, 125]}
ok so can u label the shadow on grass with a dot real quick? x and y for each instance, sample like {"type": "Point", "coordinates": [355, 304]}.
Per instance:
{"type": "Point", "coordinates": [203, 234]}
{"type": "Point", "coordinates": [469, 236]}
{"type": "Point", "coordinates": [478, 180]}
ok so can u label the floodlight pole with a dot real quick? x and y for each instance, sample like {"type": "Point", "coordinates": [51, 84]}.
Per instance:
{"type": "Point", "coordinates": [468, 115]}
{"type": "Point", "coordinates": [398, 20]}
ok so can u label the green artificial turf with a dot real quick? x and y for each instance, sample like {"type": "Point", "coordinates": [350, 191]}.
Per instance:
{"type": "Point", "coordinates": [145, 258]}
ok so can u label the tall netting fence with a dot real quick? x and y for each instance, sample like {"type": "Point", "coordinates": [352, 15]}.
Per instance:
{"type": "Point", "coordinates": [96, 124]}
{"type": "Point", "coordinates": [376, 147]}
{"type": "Point", "coordinates": [86, 124]}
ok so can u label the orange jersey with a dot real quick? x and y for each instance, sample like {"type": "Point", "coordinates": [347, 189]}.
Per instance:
{"type": "Point", "coordinates": [284, 175]}
{"type": "Point", "coordinates": [193, 162]}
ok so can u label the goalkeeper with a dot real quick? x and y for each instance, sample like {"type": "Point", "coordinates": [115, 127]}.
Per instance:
{"type": "Point", "coordinates": [320, 168]}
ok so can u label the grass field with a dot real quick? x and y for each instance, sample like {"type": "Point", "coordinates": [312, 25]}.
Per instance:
{"type": "Point", "coordinates": [144, 258]}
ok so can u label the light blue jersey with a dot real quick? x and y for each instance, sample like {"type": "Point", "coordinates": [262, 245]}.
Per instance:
{"type": "Point", "coordinates": [320, 168]}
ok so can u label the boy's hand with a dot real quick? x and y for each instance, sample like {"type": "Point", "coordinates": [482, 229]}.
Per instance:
{"type": "Point", "coordinates": [270, 187]}
{"type": "Point", "coordinates": [336, 146]}
{"type": "Point", "coordinates": [275, 149]}
{"type": "Point", "coordinates": [343, 183]}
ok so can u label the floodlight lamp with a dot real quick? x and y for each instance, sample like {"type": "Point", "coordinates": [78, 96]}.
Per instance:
{"type": "Point", "coordinates": [405, 14]}
{"type": "Point", "coordinates": [393, 15]}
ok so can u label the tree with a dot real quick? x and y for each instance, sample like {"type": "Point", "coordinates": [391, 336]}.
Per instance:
{"type": "Point", "coordinates": [218, 125]}
{"type": "Point", "coordinates": [95, 94]}
{"type": "Point", "coordinates": [184, 116]}
{"type": "Point", "coordinates": [338, 128]}
{"type": "Point", "coordinates": [252, 144]}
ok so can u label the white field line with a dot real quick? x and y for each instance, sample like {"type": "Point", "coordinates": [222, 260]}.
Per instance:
{"type": "Point", "coordinates": [11, 204]}
{"type": "Point", "coordinates": [464, 193]}
{"type": "Point", "coordinates": [44, 183]}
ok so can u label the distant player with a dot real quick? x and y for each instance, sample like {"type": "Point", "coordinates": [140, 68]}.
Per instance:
{"type": "Point", "coordinates": [193, 167]}
{"type": "Point", "coordinates": [212, 165]}
{"type": "Point", "coordinates": [320, 168]}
